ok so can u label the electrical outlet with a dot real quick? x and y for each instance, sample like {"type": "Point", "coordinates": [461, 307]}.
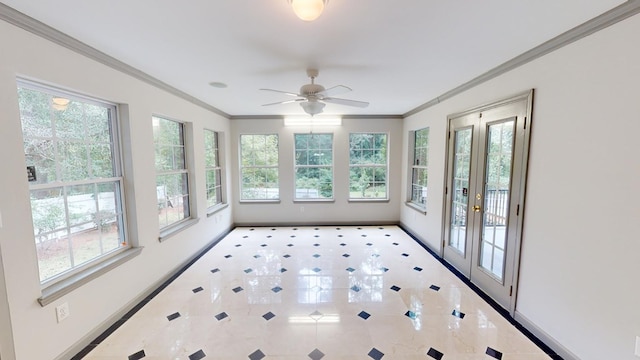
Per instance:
{"type": "Point", "coordinates": [637, 353]}
{"type": "Point", "coordinates": [62, 312]}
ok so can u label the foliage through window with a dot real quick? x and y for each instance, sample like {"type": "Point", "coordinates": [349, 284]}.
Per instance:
{"type": "Point", "coordinates": [76, 196]}
{"type": "Point", "coordinates": [313, 166]}
{"type": "Point", "coordinates": [172, 175]}
{"type": "Point", "coordinates": [213, 169]}
{"type": "Point", "coordinates": [259, 167]}
{"type": "Point", "coordinates": [367, 166]}
{"type": "Point", "coordinates": [419, 173]}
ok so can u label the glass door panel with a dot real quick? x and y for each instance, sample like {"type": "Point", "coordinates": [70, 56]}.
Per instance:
{"type": "Point", "coordinates": [497, 189]}
{"type": "Point", "coordinates": [460, 199]}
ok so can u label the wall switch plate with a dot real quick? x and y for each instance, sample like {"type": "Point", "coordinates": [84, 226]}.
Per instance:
{"type": "Point", "coordinates": [637, 353]}
{"type": "Point", "coordinates": [62, 312]}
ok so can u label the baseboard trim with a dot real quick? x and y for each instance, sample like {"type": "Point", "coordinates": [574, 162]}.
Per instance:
{"type": "Point", "coordinates": [87, 343]}
{"type": "Point", "coordinates": [540, 334]}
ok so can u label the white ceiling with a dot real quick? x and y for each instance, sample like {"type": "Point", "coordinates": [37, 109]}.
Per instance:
{"type": "Point", "coordinates": [395, 54]}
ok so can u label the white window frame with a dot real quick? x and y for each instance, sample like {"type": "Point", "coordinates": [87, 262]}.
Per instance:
{"type": "Point", "coordinates": [168, 201]}
{"type": "Point", "coordinates": [62, 283]}
{"type": "Point", "coordinates": [384, 166]}
{"type": "Point", "coordinates": [297, 167]}
{"type": "Point", "coordinates": [218, 170]}
{"type": "Point", "coordinates": [417, 198]}
{"type": "Point", "coordinates": [250, 167]}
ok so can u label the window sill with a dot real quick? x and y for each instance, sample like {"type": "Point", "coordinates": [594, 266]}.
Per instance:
{"type": "Point", "coordinates": [314, 201]}
{"type": "Point", "coordinates": [61, 288]}
{"type": "Point", "coordinates": [274, 201]}
{"type": "Point", "coordinates": [417, 208]}
{"type": "Point", "coordinates": [217, 208]}
{"type": "Point", "coordinates": [364, 200]}
{"type": "Point", "coordinates": [174, 229]}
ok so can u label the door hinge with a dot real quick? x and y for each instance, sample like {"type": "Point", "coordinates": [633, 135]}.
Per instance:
{"type": "Point", "coordinates": [518, 210]}
{"type": "Point", "coordinates": [510, 290]}
{"type": "Point", "coordinates": [525, 123]}
{"type": "Point", "coordinates": [446, 190]}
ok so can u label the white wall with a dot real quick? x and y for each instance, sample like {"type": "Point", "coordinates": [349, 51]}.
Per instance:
{"type": "Point", "coordinates": [580, 266]}
{"type": "Point", "coordinates": [36, 334]}
{"type": "Point", "coordinates": [341, 210]}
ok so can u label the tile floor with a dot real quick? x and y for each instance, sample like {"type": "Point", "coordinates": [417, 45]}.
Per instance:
{"type": "Point", "coordinates": [367, 292]}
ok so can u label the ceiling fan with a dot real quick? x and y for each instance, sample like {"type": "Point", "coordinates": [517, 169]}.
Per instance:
{"type": "Point", "coordinates": [312, 97]}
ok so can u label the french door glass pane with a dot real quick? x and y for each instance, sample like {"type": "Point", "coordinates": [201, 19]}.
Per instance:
{"type": "Point", "coordinates": [496, 197]}
{"type": "Point", "coordinates": [460, 188]}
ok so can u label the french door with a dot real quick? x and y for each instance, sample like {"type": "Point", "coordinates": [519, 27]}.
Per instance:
{"type": "Point", "coordinates": [486, 176]}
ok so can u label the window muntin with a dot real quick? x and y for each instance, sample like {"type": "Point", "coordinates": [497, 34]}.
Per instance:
{"type": "Point", "coordinates": [419, 173]}
{"type": "Point", "coordinates": [368, 166]}
{"type": "Point", "coordinates": [76, 197]}
{"type": "Point", "coordinates": [172, 174]}
{"type": "Point", "coordinates": [259, 167]}
{"type": "Point", "coordinates": [213, 169]}
{"type": "Point", "coordinates": [313, 166]}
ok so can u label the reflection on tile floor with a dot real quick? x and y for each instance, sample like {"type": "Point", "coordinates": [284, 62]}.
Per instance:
{"type": "Point", "coordinates": [367, 292]}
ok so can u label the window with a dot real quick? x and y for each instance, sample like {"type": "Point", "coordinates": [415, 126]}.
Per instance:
{"type": "Point", "coordinates": [75, 179]}
{"type": "Point", "coordinates": [419, 172]}
{"type": "Point", "coordinates": [172, 175]}
{"type": "Point", "coordinates": [367, 166]}
{"type": "Point", "coordinates": [259, 167]}
{"type": "Point", "coordinates": [213, 170]}
{"type": "Point", "coordinates": [314, 166]}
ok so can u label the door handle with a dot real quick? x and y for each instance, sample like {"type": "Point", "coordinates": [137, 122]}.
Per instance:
{"type": "Point", "coordinates": [476, 208]}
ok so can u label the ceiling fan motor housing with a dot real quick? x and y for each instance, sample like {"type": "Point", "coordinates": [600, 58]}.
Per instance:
{"type": "Point", "coordinates": [311, 89]}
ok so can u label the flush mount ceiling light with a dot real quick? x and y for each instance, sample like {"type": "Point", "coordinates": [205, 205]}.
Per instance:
{"type": "Point", "coordinates": [308, 10]}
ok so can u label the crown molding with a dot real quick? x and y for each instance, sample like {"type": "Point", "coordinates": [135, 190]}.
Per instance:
{"type": "Point", "coordinates": [27, 23]}
{"type": "Point", "coordinates": [611, 17]}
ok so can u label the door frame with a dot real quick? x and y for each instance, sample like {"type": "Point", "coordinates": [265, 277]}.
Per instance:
{"type": "Point", "coordinates": [527, 98]}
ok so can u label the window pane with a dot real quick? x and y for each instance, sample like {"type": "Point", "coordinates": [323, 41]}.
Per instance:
{"type": "Point", "coordinates": [77, 214]}
{"type": "Point", "coordinates": [368, 160]}
{"type": "Point", "coordinates": [259, 167]}
{"type": "Point", "coordinates": [314, 170]}
{"type": "Point", "coordinates": [419, 173]}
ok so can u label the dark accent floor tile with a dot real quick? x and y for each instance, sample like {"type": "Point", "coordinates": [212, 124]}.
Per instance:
{"type": "Point", "coordinates": [213, 271]}
{"type": "Point", "coordinates": [405, 255]}
{"type": "Point", "coordinates": [375, 354]}
{"type": "Point", "coordinates": [365, 315]}
{"type": "Point", "coordinates": [283, 270]}
{"type": "Point", "coordinates": [137, 356]}
{"type": "Point", "coordinates": [434, 287]}
{"type": "Point", "coordinates": [263, 245]}
{"type": "Point", "coordinates": [276, 289]}
{"type": "Point", "coordinates": [340, 236]}
{"type": "Point", "coordinates": [494, 353]}
{"type": "Point", "coordinates": [395, 288]}
{"type": "Point", "coordinates": [268, 316]}
{"type": "Point", "coordinates": [257, 256]}
{"type": "Point", "coordinates": [435, 354]}
{"type": "Point", "coordinates": [197, 290]}
{"type": "Point", "coordinates": [417, 268]}
{"type": "Point", "coordinates": [292, 236]}
{"type": "Point", "coordinates": [350, 269]}
{"type": "Point", "coordinates": [343, 244]}
{"type": "Point", "coordinates": [248, 270]}
{"type": "Point", "coordinates": [459, 314]}
{"type": "Point", "coordinates": [289, 245]}
{"type": "Point", "coordinates": [222, 316]}
{"type": "Point", "coordinates": [173, 316]}
{"type": "Point", "coordinates": [384, 269]}
{"type": "Point", "coordinates": [396, 244]}
{"type": "Point", "coordinates": [238, 245]}
{"type": "Point", "coordinates": [346, 255]}
{"type": "Point", "coordinates": [317, 270]}
{"type": "Point", "coordinates": [269, 236]}
{"type": "Point", "coordinates": [228, 256]}
{"type": "Point", "coordinates": [316, 255]}
{"type": "Point", "coordinates": [316, 355]}
{"type": "Point", "coordinates": [369, 244]}
{"type": "Point", "coordinates": [410, 314]}
{"type": "Point", "coordinates": [355, 288]}
{"type": "Point", "coordinates": [257, 355]}
{"type": "Point", "coordinates": [252, 229]}
{"type": "Point", "coordinates": [316, 228]}
{"type": "Point", "coordinates": [364, 235]}
{"type": "Point", "coordinates": [197, 355]}
{"type": "Point", "coordinates": [238, 289]}
{"type": "Point", "coordinates": [287, 256]}
{"type": "Point", "coordinates": [246, 236]}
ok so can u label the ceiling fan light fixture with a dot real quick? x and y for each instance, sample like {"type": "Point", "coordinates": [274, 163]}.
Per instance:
{"type": "Point", "coordinates": [308, 10]}
{"type": "Point", "coordinates": [312, 107]}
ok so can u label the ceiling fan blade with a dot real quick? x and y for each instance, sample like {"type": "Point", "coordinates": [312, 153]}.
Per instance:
{"type": "Point", "coordinates": [282, 92]}
{"type": "Point", "coordinates": [335, 90]}
{"type": "Point", "coordinates": [356, 103]}
{"type": "Point", "coordinates": [284, 102]}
